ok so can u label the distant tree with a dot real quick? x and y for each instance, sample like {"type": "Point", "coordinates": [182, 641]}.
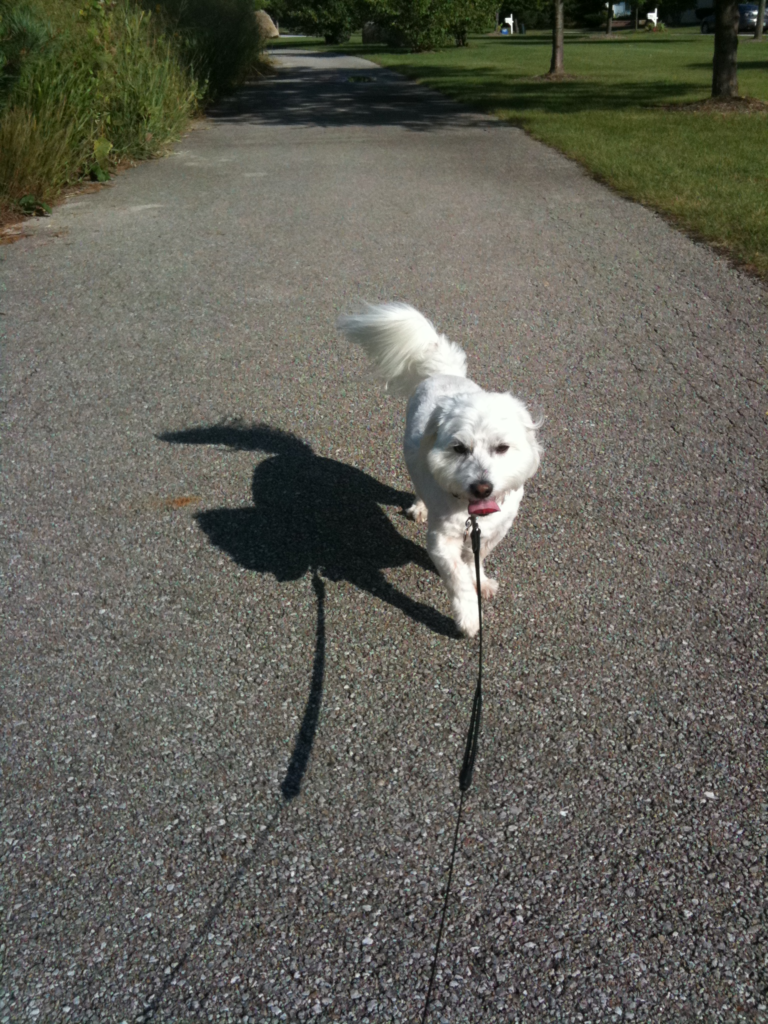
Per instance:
{"type": "Point", "coordinates": [725, 83]}
{"type": "Point", "coordinates": [760, 20]}
{"type": "Point", "coordinates": [334, 20]}
{"type": "Point", "coordinates": [556, 65]}
{"type": "Point", "coordinates": [415, 24]}
{"type": "Point", "coordinates": [543, 14]}
{"type": "Point", "coordinates": [467, 16]}
{"type": "Point", "coordinates": [430, 24]}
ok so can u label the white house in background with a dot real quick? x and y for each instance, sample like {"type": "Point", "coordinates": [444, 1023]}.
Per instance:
{"type": "Point", "coordinates": [622, 10]}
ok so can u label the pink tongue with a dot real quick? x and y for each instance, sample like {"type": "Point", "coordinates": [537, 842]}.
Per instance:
{"type": "Point", "coordinates": [483, 508]}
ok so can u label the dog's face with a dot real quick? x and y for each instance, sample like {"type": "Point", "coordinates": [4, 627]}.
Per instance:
{"type": "Point", "coordinates": [481, 445]}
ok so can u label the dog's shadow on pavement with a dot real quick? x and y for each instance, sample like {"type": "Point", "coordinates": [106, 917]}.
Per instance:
{"type": "Point", "coordinates": [317, 516]}
{"type": "Point", "coordinates": [312, 515]}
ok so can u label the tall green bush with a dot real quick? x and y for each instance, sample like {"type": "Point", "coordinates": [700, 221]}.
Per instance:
{"type": "Point", "coordinates": [219, 39]}
{"type": "Point", "coordinates": [145, 94]}
{"type": "Point", "coordinates": [99, 85]}
{"type": "Point", "coordinates": [23, 32]}
{"type": "Point", "coordinates": [85, 84]}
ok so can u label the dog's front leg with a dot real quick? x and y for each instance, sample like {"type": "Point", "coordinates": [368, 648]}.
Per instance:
{"type": "Point", "coordinates": [488, 587]}
{"type": "Point", "coordinates": [417, 511]}
{"type": "Point", "coordinates": [446, 553]}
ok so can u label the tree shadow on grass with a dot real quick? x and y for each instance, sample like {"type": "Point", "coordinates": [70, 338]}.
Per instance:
{"type": "Point", "coordinates": [315, 92]}
{"type": "Point", "coordinates": [743, 64]}
{"type": "Point", "coordinates": [592, 39]}
{"type": "Point", "coordinates": [488, 91]}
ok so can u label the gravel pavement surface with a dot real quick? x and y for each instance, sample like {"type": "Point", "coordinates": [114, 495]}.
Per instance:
{"type": "Point", "coordinates": [234, 702]}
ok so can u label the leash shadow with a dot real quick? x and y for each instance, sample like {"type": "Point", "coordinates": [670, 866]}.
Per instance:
{"type": "Point", "coordinates": [297, 766]}
{"type": "Point", "coordinates": [152, 1004]}
{"type": "Point", "coordinates": [310, 514]}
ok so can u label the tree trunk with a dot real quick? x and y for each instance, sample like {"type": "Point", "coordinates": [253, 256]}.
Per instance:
{"type": "Point", "coordinates": [556, 67]}
{"type": "Point", "coordinates": [610, 18]}
{"type": "Point", "coordinates": [725, 83]}
{"type": "Point", "coordinates": [637, 16]}
{"type": "Point", "coordinates": [760, 20]}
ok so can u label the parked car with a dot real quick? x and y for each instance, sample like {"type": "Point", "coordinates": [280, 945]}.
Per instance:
{"type": "Point", "coordinates": [747, 19]}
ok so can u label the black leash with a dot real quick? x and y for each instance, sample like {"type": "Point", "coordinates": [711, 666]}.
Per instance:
{"type": "Point", "coordinates": [470, 750]}
{"type": "Point", "coordinates": [468, 764]}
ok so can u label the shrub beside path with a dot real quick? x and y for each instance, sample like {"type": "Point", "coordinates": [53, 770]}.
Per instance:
{"type": "Point", "coordinates": [234, 704]}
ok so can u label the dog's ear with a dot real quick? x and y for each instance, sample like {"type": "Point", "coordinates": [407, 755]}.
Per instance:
{"type": "Point", "coordinates": [430, 431]}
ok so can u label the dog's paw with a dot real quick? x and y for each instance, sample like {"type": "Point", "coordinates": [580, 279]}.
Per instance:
{"type": "Point", "coordinates": [467, 619]}
{"type": "Point", "coordinates": [489, 588]}
{"type": "Point", "coordinates": [417, 512]}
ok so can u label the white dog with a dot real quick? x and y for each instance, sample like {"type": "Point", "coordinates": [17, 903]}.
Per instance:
{"type": "Point", "coordinates": [468, 451]}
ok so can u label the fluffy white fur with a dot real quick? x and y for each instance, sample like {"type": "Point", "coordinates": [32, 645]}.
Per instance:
{"type": "Point", "coordinates": [461, 443]}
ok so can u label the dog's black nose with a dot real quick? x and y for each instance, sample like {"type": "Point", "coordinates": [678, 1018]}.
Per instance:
{"type": "Point", "coordinates": [481, 490]}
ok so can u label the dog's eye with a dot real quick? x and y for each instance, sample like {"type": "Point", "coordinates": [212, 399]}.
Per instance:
{"type": "Point", "coordinates": [501, 448]}
{"type": "Point", "coordinates": [461, 449]}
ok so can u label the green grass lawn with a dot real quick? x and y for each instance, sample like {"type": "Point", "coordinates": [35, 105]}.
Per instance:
{"type": "Point", "coordinates": [706, 170]}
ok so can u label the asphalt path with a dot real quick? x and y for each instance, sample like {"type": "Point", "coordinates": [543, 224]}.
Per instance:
{"type": "Point", "coordinates": [234, 702]}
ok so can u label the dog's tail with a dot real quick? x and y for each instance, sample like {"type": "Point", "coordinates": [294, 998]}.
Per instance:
{"type": "Point", "coordinates": [403, 345]}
